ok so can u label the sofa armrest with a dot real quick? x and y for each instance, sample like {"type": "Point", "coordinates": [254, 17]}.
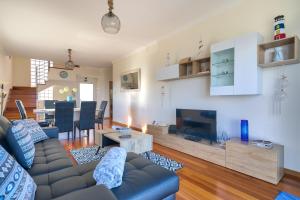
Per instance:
{"type": "Point", "coordinates": [51, 132]}
{"type": "Point", "coordinates": [97, 192]}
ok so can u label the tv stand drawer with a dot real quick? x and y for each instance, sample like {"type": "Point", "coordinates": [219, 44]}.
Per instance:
{"type": "Point", "coordinates": [211, 153]}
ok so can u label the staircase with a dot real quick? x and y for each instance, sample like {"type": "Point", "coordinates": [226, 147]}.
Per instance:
{"type": "Point", "coordinates": [27, 95]}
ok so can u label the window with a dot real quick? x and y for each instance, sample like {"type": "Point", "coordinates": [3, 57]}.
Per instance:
{"type": "Point", "coordinates": [39, 71]}
{"type": "Point", "coordinates": [46, 94]}
{"type": "Point", "coordinates": [86, 92]}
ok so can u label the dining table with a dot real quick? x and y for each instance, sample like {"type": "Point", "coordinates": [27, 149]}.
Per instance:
{"type": "Point", "coordinates": [51, 111]}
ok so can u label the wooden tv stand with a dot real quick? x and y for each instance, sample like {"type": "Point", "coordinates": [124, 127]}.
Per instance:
{"type": "Point", "coordinates": [203, 150]}
{"type": "Point", "coordinates": [261, 163]}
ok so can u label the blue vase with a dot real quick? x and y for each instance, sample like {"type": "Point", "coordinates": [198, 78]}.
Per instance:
{"type": "Point", "coordinates": [244, 130]}
{"type": "Point", "coordinates": [69, 98]}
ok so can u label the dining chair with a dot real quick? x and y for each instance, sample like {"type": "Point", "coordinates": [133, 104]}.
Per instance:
{"type": "Point", "coordinates": [86, 118]}
{"type": "Point", "coordinates": [100, 116]}
{"type": "Point", "coordinates": [64, 116]}
{"type": "Point", "coordinates": [49, 104]}
{"type": "Point", "coordinates": [21, 109]}
{"type": "Point", "coordinates": [23, 113]}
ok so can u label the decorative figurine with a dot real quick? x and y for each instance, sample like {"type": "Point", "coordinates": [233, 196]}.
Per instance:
{"type": "Point", "coordinates": [279, 28]}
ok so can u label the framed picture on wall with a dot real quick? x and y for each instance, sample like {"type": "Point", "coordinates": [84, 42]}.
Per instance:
{"type": "Point", "coordinates": [131, 80]}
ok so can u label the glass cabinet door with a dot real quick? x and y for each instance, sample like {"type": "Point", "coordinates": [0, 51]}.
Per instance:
{"type": "Point", "coordinates": [222, 68]}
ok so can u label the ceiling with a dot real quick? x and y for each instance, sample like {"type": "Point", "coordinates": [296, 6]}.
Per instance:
{"type": "Point", "coordinates": [45, 29]}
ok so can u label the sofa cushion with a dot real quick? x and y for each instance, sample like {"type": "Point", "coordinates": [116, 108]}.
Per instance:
{"type": "Point", "coordinates": [50, 156]}
{"type": "Point", "coordinates": [109, 171]}
{"type": "Point", "coordinates": [4, 123]}
{"type": "Point", "coordinates": [15, 182]}
{"type": "Point", "coordinates": [4, 126]}
{"type": "Point", "coordinates": [36, 132]}
{"type": "Point", "coordinates": [143, 179]}
{"type": "Point", "coordinates": [21, 144]}
{"type": "Point", "coordinates": [64, 181]}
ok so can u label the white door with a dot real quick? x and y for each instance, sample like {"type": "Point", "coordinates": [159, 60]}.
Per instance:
{"type": "Point", "coordinates": [86, 91]}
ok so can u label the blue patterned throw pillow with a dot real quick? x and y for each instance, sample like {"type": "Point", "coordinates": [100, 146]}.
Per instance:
{"type": "Point", "coordinates": [36, 132]}
{"type": "Point", "coordinates": [109, 170]}
{"type": "Point", "coordinates": [21, 144]}
{"type": "Point", "coordinates": [15, 182]}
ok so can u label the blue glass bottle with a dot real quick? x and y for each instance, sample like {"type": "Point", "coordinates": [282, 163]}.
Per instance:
{"type": "Point", "coordinates": [244, 130]}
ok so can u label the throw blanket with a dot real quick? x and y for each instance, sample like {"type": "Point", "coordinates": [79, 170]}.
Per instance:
{"type": "Point", "coordinates": [109, 171]}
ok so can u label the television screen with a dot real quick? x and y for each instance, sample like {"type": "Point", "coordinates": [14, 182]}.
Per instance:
{"type": "Point", "coordinates": [197, 123]}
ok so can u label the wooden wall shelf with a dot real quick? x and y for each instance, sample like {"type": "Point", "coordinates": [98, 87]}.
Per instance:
{"type": "Point", "coordinates": [290, 47]}
{"type": "Point", "coordinates": [185, 70]}
{"type": "Point", "coordinates": [194, 68]}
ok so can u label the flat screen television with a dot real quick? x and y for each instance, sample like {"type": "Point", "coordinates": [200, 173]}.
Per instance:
{"type": "Point", "coordinates": [200, 124]}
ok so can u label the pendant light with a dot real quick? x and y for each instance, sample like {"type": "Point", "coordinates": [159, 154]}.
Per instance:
{"type": "Point", "coordinates": [110, 22]}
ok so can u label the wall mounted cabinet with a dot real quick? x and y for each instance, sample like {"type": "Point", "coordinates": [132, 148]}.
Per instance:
{"type": "Point", "coordinates": [190, 69]}
{"type": "Point", "coordinates": [168, 73]}
{"type": "Point", "coordinates": [234, 69]}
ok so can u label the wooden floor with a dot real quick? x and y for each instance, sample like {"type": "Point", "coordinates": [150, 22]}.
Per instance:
{"type": "Point", "coordinates": [200, 179]}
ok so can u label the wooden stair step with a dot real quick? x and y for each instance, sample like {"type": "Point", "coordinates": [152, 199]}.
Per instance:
{"type": "Point", "coordinates": [22, 96]}
{"type": "Point", "coordinates": [23, 92]}
{"type": "Point", "coordinates": [23, 88]}
{"type": "Point", "coordinates": [27, 95]}
{"type": "Point", "coordinates": [17, 115]}
{"type": "Point", "coordinates": [25, 103]}
{"type": "Point", "coordinates": [28, 109]}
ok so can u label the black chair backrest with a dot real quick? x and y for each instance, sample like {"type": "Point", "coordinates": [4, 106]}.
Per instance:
{"type": "Point", "coordinates": [21, 108]}
{"type": "Point", "coordinates": [64, 114]}
{"type": "Point", "coordinates": [102, 110]}
{"type": "Point", "coordinates": [49, 104]}
{"type": "Point", "coordinates": [87, 115]}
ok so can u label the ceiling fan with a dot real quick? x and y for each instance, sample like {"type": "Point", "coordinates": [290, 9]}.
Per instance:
{"type": "Point", "coordinates": [69, 64]}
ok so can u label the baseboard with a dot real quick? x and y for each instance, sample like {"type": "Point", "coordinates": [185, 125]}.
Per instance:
{"type": "Point", "coordinates": [292, 173]}
{"type": "Point", "coordinates": [122, 124]}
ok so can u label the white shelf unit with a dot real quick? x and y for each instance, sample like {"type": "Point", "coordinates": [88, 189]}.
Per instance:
{"type": "Point", "coordinates": [168, 73]}
{"type": "Point", "coordinates": [234, 69]}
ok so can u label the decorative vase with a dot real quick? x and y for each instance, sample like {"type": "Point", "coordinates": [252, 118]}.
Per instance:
{"type": "Point", "coordinates": [69, 98]}
{"type": "Point", "coordinates": [244, 130]}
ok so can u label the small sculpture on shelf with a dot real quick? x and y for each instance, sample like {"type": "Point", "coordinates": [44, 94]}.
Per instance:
{"type": "Point", "coordinates": [2, 98]}
{"type": "Point", "coordinates": [279, 32]}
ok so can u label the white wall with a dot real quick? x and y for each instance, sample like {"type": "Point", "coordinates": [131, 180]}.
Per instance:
{"type": "Point", "coordinates": [248, 16]}
{"type": "Point", "coordinates": [21, 71]}
{"type": "Point", "coordinates": [5, 72]}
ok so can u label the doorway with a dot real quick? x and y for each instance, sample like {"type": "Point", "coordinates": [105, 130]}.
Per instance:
{"type": "Point", "coordinates": [86, 91]}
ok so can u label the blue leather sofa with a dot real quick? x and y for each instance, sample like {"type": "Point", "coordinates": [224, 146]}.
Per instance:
{"type": "Point", "coordinates": [57, 178]}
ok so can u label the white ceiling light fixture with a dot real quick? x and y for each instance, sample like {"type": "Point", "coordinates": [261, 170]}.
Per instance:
{"type": "Point", "coordinates": [110, 22]}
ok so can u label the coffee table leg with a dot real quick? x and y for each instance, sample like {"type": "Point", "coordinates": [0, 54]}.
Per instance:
{"type": "Point", "coordinates": [148, 155]}
{"type": "Point", "coordinates": [98, 150]}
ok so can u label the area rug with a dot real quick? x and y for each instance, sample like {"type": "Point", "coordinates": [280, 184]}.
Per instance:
{"type": "Point", "coordinates": [286, 196]}
{"type": "Point", "coordinates": [87, 154]}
